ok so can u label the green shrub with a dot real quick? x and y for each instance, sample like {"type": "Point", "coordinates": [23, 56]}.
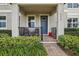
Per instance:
{"type": "Point", "coordinates": [69, 42]}
{"type": "Point", "coordinates": [6, 32]}
{"type": "Point", "coordinates": [4, 35]}
{"type": "Point", "coordinates": [62, 40]}
{"type": "Point", "coordinates": [21, 46]}
{"type": "Point", "coordinates": [36, 49]}
{"type": "Point", "coordinates": [72, 31]}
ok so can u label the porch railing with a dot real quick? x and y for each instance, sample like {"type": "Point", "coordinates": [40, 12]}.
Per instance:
{"type": "Point", "coordinates": [25, 31]}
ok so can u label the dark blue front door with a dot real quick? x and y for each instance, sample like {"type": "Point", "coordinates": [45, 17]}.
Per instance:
{"type": "Point", "coordinates": [44, 24]}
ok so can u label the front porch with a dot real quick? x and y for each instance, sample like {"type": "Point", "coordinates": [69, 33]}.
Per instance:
{"type": "Point", "coordinates": [37, 16]}
{"type": "Point", "coordinates": [37, 19]}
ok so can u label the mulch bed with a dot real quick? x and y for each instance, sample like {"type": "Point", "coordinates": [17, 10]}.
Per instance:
{"type": "Point", "coordinates": [68, 51]}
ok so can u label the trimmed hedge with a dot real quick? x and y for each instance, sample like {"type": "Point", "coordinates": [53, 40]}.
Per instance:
{"type": "Point", "coordinates": [70, 42]}
{"type": "Point", "coordinates": [72, 31]}
{"type": "Point", "coordinates": [21, 46]}
{"type": "Point", "coordinates": [8, 32]}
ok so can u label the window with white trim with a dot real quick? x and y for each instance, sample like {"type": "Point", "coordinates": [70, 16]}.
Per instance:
{"type": "Point", "coordinates": [72, 23]}
{"type": "Point", "coordinates": [72, 5]}
{"type": "Point", "coordinates": [2, 21]}
{"type": "Point", "coordinates": [31, 21]}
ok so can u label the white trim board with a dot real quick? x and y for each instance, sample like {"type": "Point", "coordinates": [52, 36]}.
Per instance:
{"type": "Point", "coordinates": [5, 11]}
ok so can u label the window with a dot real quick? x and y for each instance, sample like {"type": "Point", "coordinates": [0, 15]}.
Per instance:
{"type": "Point", "coordinates": [73, 5]}
{"type": "Point", "coordinates": [69, 25]}
{"type": "Point", "coordinates": [72, 22]}
{"type": "Point", "coordinates": [31, 21]}
{"type": "Point", "coordinates": [2, 21]}
{"type": "Point", "coordinates": [69, 5]}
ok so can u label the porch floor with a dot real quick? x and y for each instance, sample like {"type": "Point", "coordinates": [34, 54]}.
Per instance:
{"type": "Point", "coordinates": [49, 39]}
{"type": "Point", "coordinates": [52, 48]}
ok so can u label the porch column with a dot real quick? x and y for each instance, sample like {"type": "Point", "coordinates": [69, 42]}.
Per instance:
{"type": "Point", "coordinates": [15, 20]}
{"type": "Point", "coordinates": [60, 19]}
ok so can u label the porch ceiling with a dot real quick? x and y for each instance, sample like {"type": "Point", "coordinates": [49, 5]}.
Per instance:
{"type": "Point", "coordinates": [37, 8]}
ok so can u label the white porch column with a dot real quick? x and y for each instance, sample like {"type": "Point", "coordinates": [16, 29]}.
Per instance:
{"type": "Point", "coordinates": [60, 19]}
{"type": "Point", "coordinates": [15, 20]}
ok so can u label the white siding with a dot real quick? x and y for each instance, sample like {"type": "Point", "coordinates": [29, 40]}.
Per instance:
{"type": "Point", "coordinates": [5, 7]}
{"type": "Point", "coordinates": [71, 13]}
{"type": "Point", "coordinates": [22, 21]}
{"type": "Point", "coordinates": [53, 21]}
{"type": "Point", "coordinates": [5, 10]}
{"type": "Point", "coordinates": [37, 21]}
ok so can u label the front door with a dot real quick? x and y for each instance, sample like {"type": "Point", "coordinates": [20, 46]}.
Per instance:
{"type": "Point", "coordinates": [44, 24]}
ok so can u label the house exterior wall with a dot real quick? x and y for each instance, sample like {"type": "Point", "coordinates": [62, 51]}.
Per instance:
{"type": "Point", "coordinates": [13, 18]}
{"type": "Point", "coordinates": [8, 19]}
{"type": "Point", "coordinates": [5, 6]}
{"type": "Point", "coordinates": [52, 19]}
{"type": "Point", "coordinates": [71, 13]}
{"type": "Point", "coordinates": [5, 10]}
{"type": "Point", "coordinates": [68, 12]}
{"type": "Point", "coordinates": [22, 20]}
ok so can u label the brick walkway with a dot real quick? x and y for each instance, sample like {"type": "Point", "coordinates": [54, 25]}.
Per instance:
{"type": "Point", "coordinates": [48, 39]}
{"type": "Point", "coordinates": [52, 48]}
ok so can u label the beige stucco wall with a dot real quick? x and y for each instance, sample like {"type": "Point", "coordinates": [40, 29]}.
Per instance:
{"type": "Point", "coordinates": [8, 18]}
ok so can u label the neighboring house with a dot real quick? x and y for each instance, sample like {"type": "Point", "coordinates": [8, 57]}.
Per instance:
{"type": "Point", "coordinates": [15, 17]}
